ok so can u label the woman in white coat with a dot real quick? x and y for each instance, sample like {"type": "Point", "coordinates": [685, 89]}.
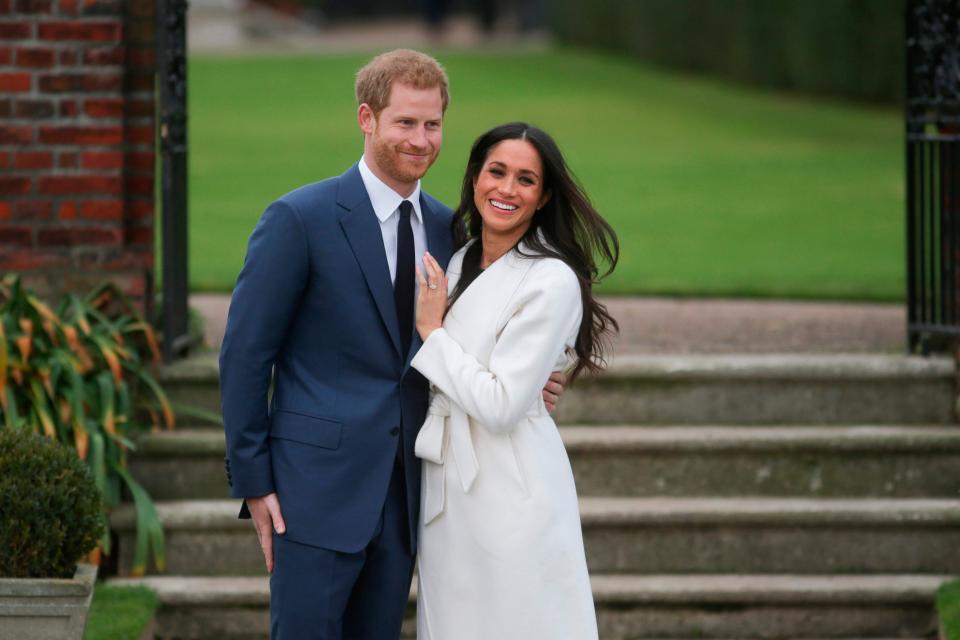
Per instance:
{"type": "Point", "coordinates": [500, 546]}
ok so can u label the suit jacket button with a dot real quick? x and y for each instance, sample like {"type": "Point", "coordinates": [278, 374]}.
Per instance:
{"type": "Point", "coordinates": [395, 431]}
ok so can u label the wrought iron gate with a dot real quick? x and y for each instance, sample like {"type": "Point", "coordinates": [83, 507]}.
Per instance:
{"type": "Point", "coordinates": [172, 68]}
{"type": "Point", "coordinates": [933, 173]}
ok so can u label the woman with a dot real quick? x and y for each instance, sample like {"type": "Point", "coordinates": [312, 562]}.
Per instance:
{"type": "Point", "coordinates": [501, 550]}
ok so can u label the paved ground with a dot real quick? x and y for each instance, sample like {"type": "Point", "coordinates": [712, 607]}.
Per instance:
{"type": "Point", "coordinates": [675, 326]}
{"type": "Point", "coordinates": [236, 27]}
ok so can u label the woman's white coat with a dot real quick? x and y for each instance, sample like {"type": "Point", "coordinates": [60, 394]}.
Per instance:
{"type": "Point", "coordinates": [500, 548]}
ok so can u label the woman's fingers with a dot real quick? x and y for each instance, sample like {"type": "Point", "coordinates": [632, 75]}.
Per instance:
{"type": "Point", "coordinates": [434, 266]}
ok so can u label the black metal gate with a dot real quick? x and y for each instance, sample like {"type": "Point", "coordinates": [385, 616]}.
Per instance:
{"type": "Point", "coordinates": [933, 173]}
{"type": "Point", "coordinates": [172, 68]}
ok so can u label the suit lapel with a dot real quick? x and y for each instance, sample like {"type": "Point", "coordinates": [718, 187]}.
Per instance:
{"type": "Point", "coordinates": [362, 229]}
{"type": "Point", "coordinates": [440, 246]}
{"type": "Point", "coordinates": [439, 237]}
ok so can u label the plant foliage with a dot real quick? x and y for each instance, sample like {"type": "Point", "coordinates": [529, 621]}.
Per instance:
{"type": "Point", "coordinates": [80, 376]}
{"type": "Point", "coordinates": [50, 508]}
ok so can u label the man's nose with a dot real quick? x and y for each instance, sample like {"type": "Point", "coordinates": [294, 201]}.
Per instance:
{"type": "Point", "coordinates": [419, 138]}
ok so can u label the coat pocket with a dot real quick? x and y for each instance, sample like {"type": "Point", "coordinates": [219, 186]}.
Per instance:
{"type": "Point", "coordinates": [297, 427]}
{"type": "Point", "coordinates": [518, 464]}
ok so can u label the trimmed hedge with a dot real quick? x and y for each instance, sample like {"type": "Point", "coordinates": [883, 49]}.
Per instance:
{"type": "Point", "coordinates": [50, 513]}
{"type": "Point", "coordinates": [846, 48]}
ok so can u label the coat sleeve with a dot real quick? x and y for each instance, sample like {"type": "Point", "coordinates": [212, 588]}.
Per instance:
{"type": "Point", "coordinates": [535, 335]}
{"type": "Point", "coordinates": [263, 305]}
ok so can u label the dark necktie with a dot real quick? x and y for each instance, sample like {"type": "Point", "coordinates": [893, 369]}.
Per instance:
{"type": "Point", "coordinates": [404, 282]}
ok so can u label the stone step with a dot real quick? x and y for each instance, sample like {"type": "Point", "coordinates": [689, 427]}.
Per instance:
{"type": "Point", "coordinates": [875, 461]}
{"type": "Point", "coordinates": [717, 389]}
{"type": "Point", "coordinates": [649, 535]}
{"type": "Point", "coordinates": [628, 606]}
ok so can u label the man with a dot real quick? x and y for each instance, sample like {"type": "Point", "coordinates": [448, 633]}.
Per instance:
{"type": "Point", "coordinates": [323, 310]}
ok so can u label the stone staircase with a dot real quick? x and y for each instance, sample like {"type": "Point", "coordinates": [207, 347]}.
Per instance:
{"type": "Point", "coordinates": [721, 497]}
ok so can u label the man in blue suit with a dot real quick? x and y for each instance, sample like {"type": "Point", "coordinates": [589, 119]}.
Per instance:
{"type": "Point", "coordinates": [323, 311]}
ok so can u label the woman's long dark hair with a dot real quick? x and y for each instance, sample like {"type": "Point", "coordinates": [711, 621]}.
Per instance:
{"type": "Point", "coordinates": [572, 231]}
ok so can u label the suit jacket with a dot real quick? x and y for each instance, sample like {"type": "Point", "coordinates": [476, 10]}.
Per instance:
{"type": "Point", "coordinates": [313, 313]}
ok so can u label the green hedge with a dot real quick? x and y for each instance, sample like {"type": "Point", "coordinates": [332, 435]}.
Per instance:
{"type": "Point", "coordinates": [847, 48]}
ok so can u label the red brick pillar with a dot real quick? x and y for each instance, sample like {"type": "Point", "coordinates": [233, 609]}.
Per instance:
{"type": "Point", "coordinates": [77, 143]}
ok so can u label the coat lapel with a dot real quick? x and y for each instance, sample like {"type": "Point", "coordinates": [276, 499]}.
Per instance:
{"type": "Point", "coordinates": [360, 225]}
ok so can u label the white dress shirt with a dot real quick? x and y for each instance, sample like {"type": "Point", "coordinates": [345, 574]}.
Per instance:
{"type": "Point", "coordinates": [386, 205]}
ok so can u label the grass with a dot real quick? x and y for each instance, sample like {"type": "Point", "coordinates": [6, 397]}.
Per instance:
{"type": "Point", "coordinates": [713, 189]}
{"type": "Point", "coordinates": [119, 613]}
{"type": "Point", "coordinates": [948, 608]}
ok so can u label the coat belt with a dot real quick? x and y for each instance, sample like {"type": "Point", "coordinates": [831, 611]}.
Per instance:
{"type": "Point", "coordinates": [446, 422]}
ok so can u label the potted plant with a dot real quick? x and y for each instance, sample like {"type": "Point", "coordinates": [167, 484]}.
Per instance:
{"type": "Point", "coordinates": [51, 517]}
{"type": "Point", "coordinates": [80, 376]}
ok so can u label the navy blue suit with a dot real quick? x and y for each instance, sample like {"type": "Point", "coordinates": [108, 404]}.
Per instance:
{"type": "Point", "coordinates": [313, 313]}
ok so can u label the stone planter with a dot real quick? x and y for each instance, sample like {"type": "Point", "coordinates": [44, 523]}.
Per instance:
{"type": "Point", "coordinates": [46, 608]}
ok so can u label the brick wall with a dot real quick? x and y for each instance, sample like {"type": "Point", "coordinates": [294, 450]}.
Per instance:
{"type": "Point", "coordinates": [77, 143]}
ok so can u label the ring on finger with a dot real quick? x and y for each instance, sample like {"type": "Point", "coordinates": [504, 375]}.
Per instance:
{"type": "Point", "coordinates": [432, 285]}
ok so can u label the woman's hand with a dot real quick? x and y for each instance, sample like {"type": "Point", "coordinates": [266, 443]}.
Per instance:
{"type": "Point", "coordinates": [432, 299]}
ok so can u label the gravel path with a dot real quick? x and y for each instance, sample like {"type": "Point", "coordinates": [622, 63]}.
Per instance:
{"type": "Point", "coordinates": [675, 326]}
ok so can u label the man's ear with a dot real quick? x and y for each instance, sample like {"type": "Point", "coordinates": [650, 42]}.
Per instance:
{"type": "Point", "coordinates": [366, 118]}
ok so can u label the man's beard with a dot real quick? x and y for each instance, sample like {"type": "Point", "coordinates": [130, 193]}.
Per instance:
{"type": "Point", "coordinates": [390, 162]}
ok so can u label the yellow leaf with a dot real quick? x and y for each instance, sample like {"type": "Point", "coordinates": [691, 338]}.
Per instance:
{"type": "Point", "coordinates": [3, 368]}
{"type": "Point", "coordinates": [45, 379]}
{"type": "Point", "coordinates": [81, 439]}
{"type": "Point", "coordinates": [109, 424]}
{"type": "Point", "coordinates": [24, 345]}
{"type": "Point", "coordinates": [71, 333]}
{"type": "Point", "coordinates": [112, 360]}
{"type": "Point", "coordinates": [86, 362]}
{"type": "Point", "coordinates": [43, 310]}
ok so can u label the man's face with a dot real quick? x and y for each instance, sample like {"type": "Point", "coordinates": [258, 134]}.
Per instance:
{"type": "Point", "coordinates": [404, 139]}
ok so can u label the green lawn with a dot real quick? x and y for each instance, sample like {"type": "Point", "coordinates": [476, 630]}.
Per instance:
{"type": "Point", "coordinates": [119, 613]}
{"type": "Point", "coordinates": [713, 189]}
{"type": "Point", "coordinates": [948, 609]}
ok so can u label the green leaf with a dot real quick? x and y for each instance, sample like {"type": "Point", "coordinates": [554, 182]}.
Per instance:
{"type": "Point", "coordinates": [11, 416]}
{"type": "Point", "coordinates": [161, 397]}
{"type": "Point", "coordinates": [4, 361]}
{"type": "Point", "coordinates": [98, 465]}
{"type": "Point", "coordinates": [149, 528]}
{"type": "Point", "coordinates": [41, 408]}
{"type": "Point", "coordinates": [197, 412]}
{"type": "Point", "coordinates": [107, 393]}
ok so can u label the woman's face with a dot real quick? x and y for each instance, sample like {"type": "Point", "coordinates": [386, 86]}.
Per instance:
{"type": "Point", "coordinates": [509, 188]}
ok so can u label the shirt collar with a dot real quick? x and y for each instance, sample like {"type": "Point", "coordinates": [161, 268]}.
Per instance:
{"type": "Point", "coordinates": [384, 199]}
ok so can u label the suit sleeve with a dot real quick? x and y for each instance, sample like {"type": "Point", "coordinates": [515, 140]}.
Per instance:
{"type": "Point", "coordinates": [263, 305]}
{"type": "Point", "coordinates": [530, 343]}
